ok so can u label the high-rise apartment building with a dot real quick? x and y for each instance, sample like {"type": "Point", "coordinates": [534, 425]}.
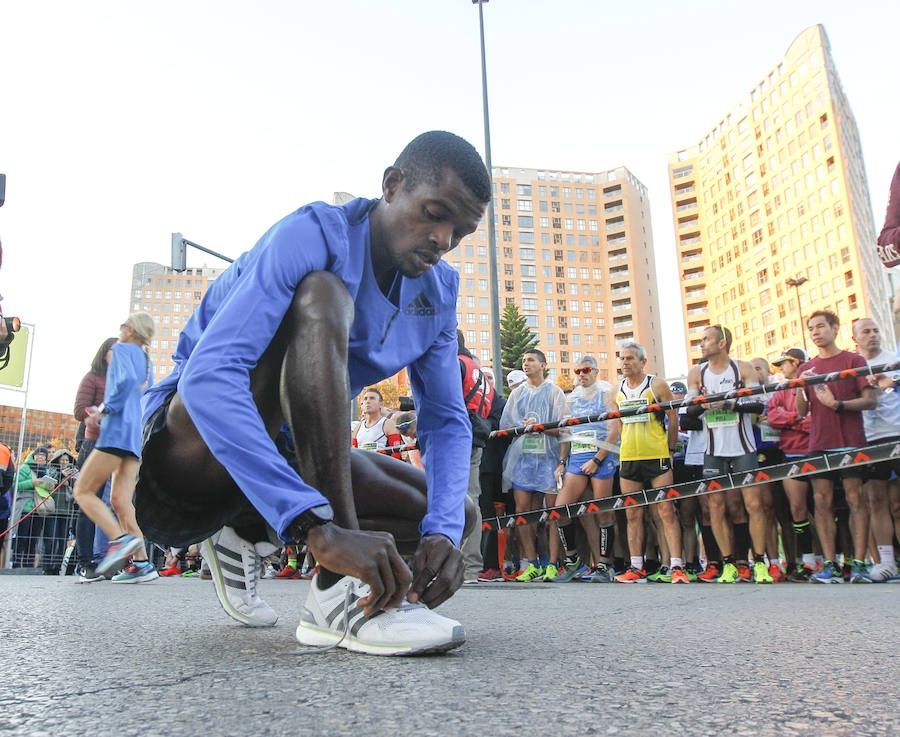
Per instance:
{"type": "Point", "coordinates": [170, 297]}
{"type": "Point", "coordinates": [575, 253]}
{"type": "Point", "coordinates": [776, 191]}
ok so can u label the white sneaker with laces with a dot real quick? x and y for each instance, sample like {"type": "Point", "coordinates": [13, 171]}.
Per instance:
{"type": "Point", "coordinates": [411, 629]}
{"type": "Point", "coordinates": [235, 566]}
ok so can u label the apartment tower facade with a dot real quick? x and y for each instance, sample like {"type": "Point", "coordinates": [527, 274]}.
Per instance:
{"type": "Point", "coordinates": [170, 297]}
{"type": "Point", "coordinates": [777, 191]}
{"type": "Point", "coordinates": [575, 254]}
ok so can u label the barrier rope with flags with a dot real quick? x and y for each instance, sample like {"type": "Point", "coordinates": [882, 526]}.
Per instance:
{"type": "Point", "coordinates": [791, 469]}
{"type": "Point", "coordinates": [747, 391]}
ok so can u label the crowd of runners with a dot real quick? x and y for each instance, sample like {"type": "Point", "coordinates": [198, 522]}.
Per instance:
{"type": "Point", "coordinates": [823, 528]}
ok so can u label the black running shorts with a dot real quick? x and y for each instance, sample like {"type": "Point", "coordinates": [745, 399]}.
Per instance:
{"type": "Point", "coordinates": [645, 471]}
{"type": "Point", "coordinates": [180, 516]}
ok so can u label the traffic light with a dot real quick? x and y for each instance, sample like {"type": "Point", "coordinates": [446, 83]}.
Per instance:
{"type": "Point", "coordinates": [179, 252]}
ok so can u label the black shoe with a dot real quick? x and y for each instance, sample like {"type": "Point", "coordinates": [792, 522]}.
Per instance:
{"type": "Point", "coordinates": [88, 574]}
{"type": "Point", "coordinates": [801, 574]}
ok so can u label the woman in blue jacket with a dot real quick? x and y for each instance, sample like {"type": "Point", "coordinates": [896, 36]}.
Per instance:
{"type": "Point", "coordinates": [115, 456]}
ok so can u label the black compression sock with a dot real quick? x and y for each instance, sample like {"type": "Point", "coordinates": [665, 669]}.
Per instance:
{"type": "Point", "coordinates": [804, 537]}
{"type": "Point", "coordinates": [759, 558]}
{"type": "Point", "coordinates": [741, 540]}
{"type": "Point", "coordinates": [326, 579]}
{"type": "Point", "coordinates": [607, 541]}
{"type": "Point", "coordinates": [709, 543]}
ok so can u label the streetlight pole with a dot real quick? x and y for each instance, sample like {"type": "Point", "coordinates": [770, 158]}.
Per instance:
{"type": "Point", "coordinates": [497, 356]}
{"type": "Point", "coordinates": [796, 282]}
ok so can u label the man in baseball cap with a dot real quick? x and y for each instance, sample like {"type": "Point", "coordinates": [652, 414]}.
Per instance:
{"type": "Point", "coordinates": [791, 354]}
{"type": "Point", "coordinates": [515, 377]}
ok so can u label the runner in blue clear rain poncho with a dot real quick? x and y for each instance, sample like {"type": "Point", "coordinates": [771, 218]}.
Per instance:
{"type": "Point", "coordinates": [535, 461]}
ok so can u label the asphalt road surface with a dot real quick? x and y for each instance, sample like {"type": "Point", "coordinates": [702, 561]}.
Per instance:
{"type": "Point", "coordinates": [541, 659]}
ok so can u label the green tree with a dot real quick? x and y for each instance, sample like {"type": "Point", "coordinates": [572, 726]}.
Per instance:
{"type": "Point", "coordinates": [515, 339]}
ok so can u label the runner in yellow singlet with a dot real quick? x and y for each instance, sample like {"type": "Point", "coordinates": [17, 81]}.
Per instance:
{"type": "Point", "coordinates": [646, 460]}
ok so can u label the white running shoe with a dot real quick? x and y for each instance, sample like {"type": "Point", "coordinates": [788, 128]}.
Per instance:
{"type": "Point", "coordinates": [882, 573]}
{"type": "Point", "coordinates": [411, 629]}
{"type": "Point", "coordinates": [235, 567]}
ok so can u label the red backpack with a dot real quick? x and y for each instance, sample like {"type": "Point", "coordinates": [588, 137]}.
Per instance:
{"type": "Point", "coordinates": [478, 394]}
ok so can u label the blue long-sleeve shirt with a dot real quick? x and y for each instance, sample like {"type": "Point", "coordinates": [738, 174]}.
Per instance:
{"type": "Point", "coordinates": [128, 371]}
{"type": "Point", "coordinates": [237, 320]}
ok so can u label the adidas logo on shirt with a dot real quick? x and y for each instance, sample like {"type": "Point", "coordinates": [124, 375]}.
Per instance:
{"type": "Point", "coordinates": [420, 306]}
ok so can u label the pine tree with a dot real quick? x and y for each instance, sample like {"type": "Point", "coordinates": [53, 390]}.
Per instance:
{"type": "Point", "coordinates": [515, 339]}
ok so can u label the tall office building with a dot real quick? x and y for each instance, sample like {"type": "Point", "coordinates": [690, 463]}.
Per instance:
{"type": "Point", "coordinates": [170, 297]}
{"type": "Point", "coordinates": [776, 191]}
{"type": "Point", "coordinates": [575, 254]}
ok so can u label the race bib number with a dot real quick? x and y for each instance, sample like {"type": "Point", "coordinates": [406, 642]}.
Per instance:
{"type": "Point", "coordinates": [631, 404]}
{"type": "Point", "coordinates": [584, 441]}
{"type": "Point", "coordinates": [532, 444]}
{"type": "Point", "coordinates": [721, 418]}
{"type": "Point", "coordinates": [768, 434]}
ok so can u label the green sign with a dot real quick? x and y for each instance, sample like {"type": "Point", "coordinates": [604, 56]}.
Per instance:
{"type": "Point", "coordinates": [14, 373]}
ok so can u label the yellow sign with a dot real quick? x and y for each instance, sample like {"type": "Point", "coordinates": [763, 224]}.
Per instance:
{"type": "Point", "coordinates": [14, 373]}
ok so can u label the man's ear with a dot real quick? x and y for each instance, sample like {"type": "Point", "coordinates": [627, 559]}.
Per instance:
{"type": "Point", "coordinates": [392, 183]}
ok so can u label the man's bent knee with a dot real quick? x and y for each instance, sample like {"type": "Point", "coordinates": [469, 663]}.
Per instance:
{"type": "Point", "coordinates": [323, 297]}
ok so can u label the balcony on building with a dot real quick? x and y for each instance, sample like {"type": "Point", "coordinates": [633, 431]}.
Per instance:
{"type": "Point", "coordinates": [689, 239]}
{"type": "Point", "coordinates": [697, 327]}
{"type": "Point", "coordinates": [615, 239]}
{"type": "Point", "coordinates": [687, 205]}
{"type": "Point", "coordinates": [620, 288]}
{"type": "Point", "coordinates": [692, 274]}
{"type": "Point", "coordinates": [619, 255]}
{"type": "Point", "coordinates": [689, 256]}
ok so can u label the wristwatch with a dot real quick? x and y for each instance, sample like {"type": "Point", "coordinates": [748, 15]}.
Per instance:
{"type": "Point", "coordinates": [305, 521]}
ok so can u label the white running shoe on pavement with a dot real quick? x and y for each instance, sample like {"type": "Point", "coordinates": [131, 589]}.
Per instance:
{"type": "Point", "coordinates": [411, 629]}
{"type": "Point", "coordinates": [882, 573]}
{"type": "Point", "coordinates": [235, 567]}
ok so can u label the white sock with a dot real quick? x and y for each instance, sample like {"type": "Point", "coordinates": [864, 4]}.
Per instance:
{"type": "Point", "coordinates": [886, 553]}
{"type": "Point", "coordinates": [676, 563]}
{"type": "Point", "coordinates": [809, 560]}
{"type": "Point", "coordinates": [637, 561]}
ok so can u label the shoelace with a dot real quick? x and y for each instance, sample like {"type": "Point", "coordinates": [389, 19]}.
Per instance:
{"type": "Point", "coordinates": [254, 569]}
{"type": "Point", "coordinates": [348, 598]}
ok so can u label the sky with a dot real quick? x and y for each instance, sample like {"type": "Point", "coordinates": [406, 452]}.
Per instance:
{"type": "Point", "coordinates": [121, 122]}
